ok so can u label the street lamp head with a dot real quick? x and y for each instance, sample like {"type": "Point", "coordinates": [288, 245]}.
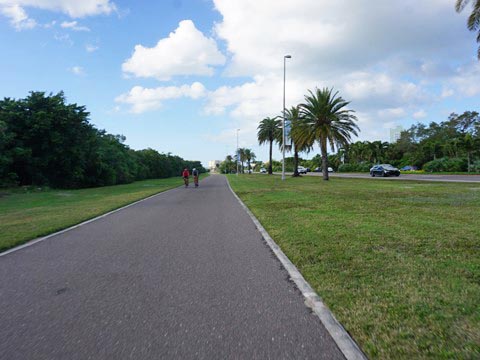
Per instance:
{"type": "Point", "coordinates": [288, 56]}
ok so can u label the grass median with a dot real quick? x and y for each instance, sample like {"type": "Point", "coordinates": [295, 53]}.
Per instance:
{"type": "Point", "coordinates": [398, 262]}
{"type": "Point", "coordinates": [26, 214]}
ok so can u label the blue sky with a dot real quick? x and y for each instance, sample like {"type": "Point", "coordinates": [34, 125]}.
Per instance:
{"type": "Point", "coordinates": [181, 76]}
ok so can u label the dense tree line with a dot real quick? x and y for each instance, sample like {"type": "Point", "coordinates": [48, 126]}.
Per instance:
{"type": "Point", "coordinates": [45, 141]}
{"type": "Point", "coordinates": [451, 145]}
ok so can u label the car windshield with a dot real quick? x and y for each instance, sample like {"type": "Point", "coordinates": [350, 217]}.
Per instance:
{"type": "Point", "coordinates": [388, 166]}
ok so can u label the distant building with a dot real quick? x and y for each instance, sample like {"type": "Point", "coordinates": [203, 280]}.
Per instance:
{"type": "Point", "coordinates": [213, 165]}
{"type": "Point", "coordinates": [395, 134]}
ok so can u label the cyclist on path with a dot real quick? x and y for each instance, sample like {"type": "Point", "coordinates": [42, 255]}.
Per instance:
{"type": "Point", "coordinates": [195, 174]}
{"type": "Point", "coordinates": [185, 175]}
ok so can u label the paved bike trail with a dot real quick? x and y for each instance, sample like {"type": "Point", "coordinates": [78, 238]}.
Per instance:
{"type": "Point", "coordinates": [184, 275]}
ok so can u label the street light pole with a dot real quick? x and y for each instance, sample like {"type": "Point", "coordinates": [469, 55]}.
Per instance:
{"type": "Point", "coordinates": [283, 127]}
{"type": "Point", "coordinates": [238, 153]}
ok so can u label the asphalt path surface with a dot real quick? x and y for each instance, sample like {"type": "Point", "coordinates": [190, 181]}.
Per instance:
{"type": "Point", "coordinates": [183, 275]}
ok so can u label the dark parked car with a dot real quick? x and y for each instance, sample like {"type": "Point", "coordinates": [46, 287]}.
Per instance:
{"type": "Point", "coordinates": [384, 170]}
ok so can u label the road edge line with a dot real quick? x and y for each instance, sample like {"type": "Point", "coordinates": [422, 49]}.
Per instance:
{"type": "Point", "coordinates": [342, 338]}
{"type": "Point", "coordinates": [40, 239]}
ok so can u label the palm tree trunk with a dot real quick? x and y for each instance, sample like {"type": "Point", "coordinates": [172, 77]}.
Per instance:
{"type": "Point", "coordinates": [295, 163]}
{"type": "Point", "coordinates": [270, 158]}
{"type": "Point", "coordinates": [323, 148]}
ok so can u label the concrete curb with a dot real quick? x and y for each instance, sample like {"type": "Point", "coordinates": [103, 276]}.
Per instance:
{"type": "Point", "coordinates": [35, 241]}
{"type": "Point", "coordinates": [344, 341]}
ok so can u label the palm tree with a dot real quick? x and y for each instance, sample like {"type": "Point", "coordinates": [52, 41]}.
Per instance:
{"type": "Point", "coordinates": [378, 149]}
{"type": "Point", "coordinates": [269, 131]}
{"type": "Point", "coordinates": [300, 142]}
{"type": "Point", "coordinates": [243, 158]}
{"type": "Point", "coordinates": [327, 121]}
{"type": "Point", "coordinates": [249, 156]}
{"type": "Point", "coordinates": [473, 23]}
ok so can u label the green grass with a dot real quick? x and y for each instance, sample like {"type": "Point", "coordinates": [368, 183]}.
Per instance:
{"type": "Point", "coordinates": [398, 262]}
{"type": "Point", "coordinates": [421, 172]}
{"type": "Point", "coordinates": [27, 214]}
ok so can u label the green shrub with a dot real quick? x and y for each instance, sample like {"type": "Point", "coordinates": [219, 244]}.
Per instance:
{"type": "Point", "coordinates": [361, 167]}
{"type": "Point", "coordinates": [475, 166]}
{"type": "Point", "coordinates": [446, 165]}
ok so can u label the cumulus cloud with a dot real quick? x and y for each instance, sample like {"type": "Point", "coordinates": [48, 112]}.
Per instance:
{"type": "Point", "coordinates": [249, 99]}
{"type": "Point", "coordinates": [73, 25]}
{"type": "Point", "coordinates": [143, 99]}
{"type": "Point", "coordinates": [371, 90]}
{"type": "Point", "coordinates": [323, 36]}
{"type": "Point", "coordinates": [186, 51]}
{"type": "Point", "coordinates": [420, 114]}
{"type": "Point", "coordinates": [15, 9]}
{"type": "Point", "coordinates": [18, 17]}
{"type": "Point", "coordinates": [73, 8]}
{"type": "Point", "coordinates": [466, 81]}
{"type": "Point", "coordinates": [388, 59]}
{"type": "Point", "coordinates": [392, 113]}
{"type": "Point", "coordinates": [377, 96]}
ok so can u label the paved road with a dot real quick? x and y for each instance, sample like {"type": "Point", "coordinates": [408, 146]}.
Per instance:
{"type": "Point", "coordinates": [182, 275]}
{"type": "Point", "coordinates": [417, 177]}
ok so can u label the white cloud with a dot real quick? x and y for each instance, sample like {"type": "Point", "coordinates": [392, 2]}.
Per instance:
{"type": "Point", "coordinates": [371, 90]}
{"type": "Point", "coordinates": [77, 70]}
{"type": "Point", "coordinates": [392, 113]}
{"type": "Point", "coordinates": [73, 25]}
{"type": "Point", "coordinates": [466, 80]}
{"type": "Point", "coordinates": [18, 17]}
{"type": "Point", "coordinates": [73, 8]}
{"type": "Point", "coordinates": [420, 114]}
{"type": "Point", "coordinates": [244, 100]}
{"type": "Point", "coordinates": [388, 59]}
{"type": "Point", "coordinates": [15, 9]}
{"type": "Point", "coordinates": [377, 99]}
{"type": "Point", "coordinates": [324, 36]}
{"type": "Point", "coordinates": [91, 48]}
{"type": "Point", "coordinates": [447, 92]}
{"type": "Point", "coordinates": [144, 99]}
{"type": "Point", "coordinates": [186, 51]}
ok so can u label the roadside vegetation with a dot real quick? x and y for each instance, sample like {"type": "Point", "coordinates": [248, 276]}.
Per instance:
{"type": "Point", "coordinates": [398, 263]}
{"type": "Point", "coordinates": [46, 142]}
{"type": "Point", "coordinates": [324, 119]}
{"type": "Point", "coordinates": [30, 212]}
{"type": "Point", "coordinates": [451, 146]}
